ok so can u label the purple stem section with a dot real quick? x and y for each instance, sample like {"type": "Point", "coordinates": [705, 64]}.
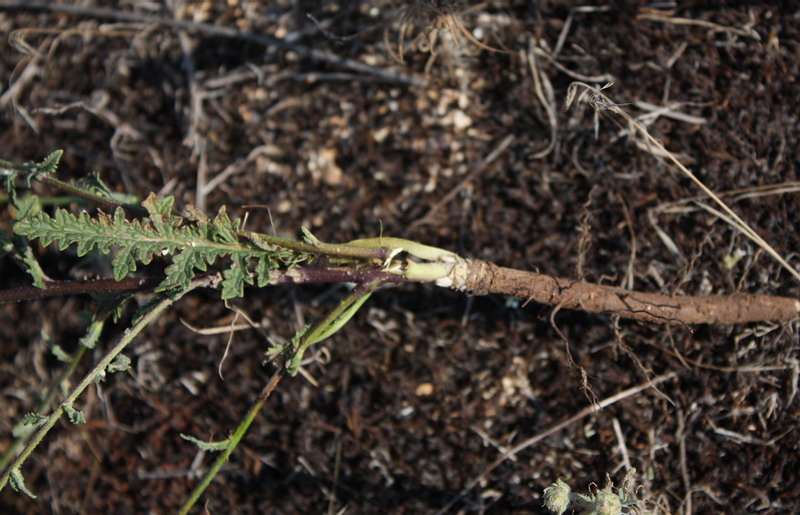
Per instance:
{"type": "Point", "coordinates": [62, 288]}
{"type": "Point", "coordinates": [297, 275]}
{"type": "Point", "coordinates": [313, 275]}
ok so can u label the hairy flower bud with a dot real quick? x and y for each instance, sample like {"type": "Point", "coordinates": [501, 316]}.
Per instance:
{"type": "Point", "coordinates": [607, 503]}
{"type": "Point", "coordinates": [556, 497]}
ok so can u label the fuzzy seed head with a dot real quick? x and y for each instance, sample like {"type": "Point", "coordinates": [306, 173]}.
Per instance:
{"type": "Point", "coordinates": [556, 497]}
{"type": "Point", "coordinates": [607, 503]}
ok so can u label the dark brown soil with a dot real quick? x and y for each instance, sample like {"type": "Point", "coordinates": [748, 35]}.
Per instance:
{"type": "Point", "coordinates": [426, 388]}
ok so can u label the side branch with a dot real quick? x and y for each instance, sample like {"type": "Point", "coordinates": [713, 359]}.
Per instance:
{"type": "Point", "coordinates": [478, 277]}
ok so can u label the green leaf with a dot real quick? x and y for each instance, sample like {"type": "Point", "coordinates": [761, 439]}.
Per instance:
{"type": "Point", "coordinates": [136, 243]}
{"type": "Point", "coordinates": [17, 482]}
{"type": "Point", "coordinates": [9, 171]}
{"type": "Point", "coordinates": [33, 419]}
{"type": "Point", "coordinates": [74, 416]}
{"type": "Point", "coordinates": [222, 229]}
{"type": "Point", "coordinates": [55, 349]}
{"type": "Point", "coordinates": [119, 308]}
{"type": "Point", "coordinates": [94, 185]}
{"type": "Point", "coordinates": [194, 243]}
{"type": "Point", "coordinates": [326, 327]}
{"type": "Point", "coordinates": [48, 166]}
{"type": "Point", "coordinates": [146, 308]}
{"type": "Point", "coordinates": [297, 339]}
{"type": "Point", "coordinates": [235, 277]}
{"type": "Point", "coordinates": [207, 446]}
{"type": "Point", "coordinates": [50, 163]}
{"type": "Point", "coordinates": [28, 205]}
{"type": "Point", "coordinates": [93, 332]}
{"type": "Point", "coordinates": [232, 283]}
{"type": "Point", "coordinates": [33, 267]}
{"type": "Point", "coordinates": [276, 350]}
{"type": "Point", "coordinates": [59, 353]}
{"type": "Point", "coordinates": [181, 272]}
{"type": "Point", "coordinates": [120, 364]}
{"type": "Point", "coordinates": [35, 271]}
{"type": "Point", "coordinates": [308, 237]}
{"type": "Point", "coordinates": [159, 206]}
{"type": "Point", "coordinates": [263, 268]}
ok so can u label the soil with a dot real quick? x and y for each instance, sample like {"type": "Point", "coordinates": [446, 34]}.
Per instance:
{"type": "Point", "coordinates": [418, 395]}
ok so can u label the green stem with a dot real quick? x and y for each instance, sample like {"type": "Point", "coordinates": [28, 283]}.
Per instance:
{"type": "Point", "coordinates": [107, 203]}
{"type": "Point", "coordinates": [235, 438]}
{"type": "Point", "coordinates": [269, 242]}
{"type": "Point", "coordinates": [435, 272]}
{"type": "Point", "coordinates": [334, 321]}
{"type": "Point", "coordinates": [414, 248]}
{"type": "Point", "coordinates": [92, 376]}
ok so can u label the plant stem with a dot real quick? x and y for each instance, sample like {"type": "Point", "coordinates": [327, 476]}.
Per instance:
{"type": "Point", "coordinates": [315, 275]}
{"type": "Point", "coordinates": [92, 376]}
{"type": "Point", "coordinates": [269, 242]}
{"type": "Point", "coordinates": [414, 248]}
{"type": "Point", "coordinates": [295, 275]}
{"type": "Point", "coordinates": [235, 438]}
{"type": "Point", "coordinates": [94, 286]}
{"type": "Point", "coordinates": [100, 201]}
{"type": "Point", "coordinates": [332, 322]}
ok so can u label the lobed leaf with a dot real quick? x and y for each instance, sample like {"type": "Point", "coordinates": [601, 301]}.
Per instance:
{"type": "Point", "coordinates": [194, 241]}
{"type": "Point", "coordinates": [17, 483]}
{"type": "Point", "coordinates": [48, 166]}
{"type": "Point", "coordinates": [33, 419]}
{"type": "Point", "coordinates": [263, 268]}
{"type": "Point", "coordinates": [120, 364]}
{"type": "Point", "coordinates": [74, 416]}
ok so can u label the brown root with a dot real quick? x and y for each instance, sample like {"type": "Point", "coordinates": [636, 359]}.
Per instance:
{"type": "Point", "coordinates": [481, 278]}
